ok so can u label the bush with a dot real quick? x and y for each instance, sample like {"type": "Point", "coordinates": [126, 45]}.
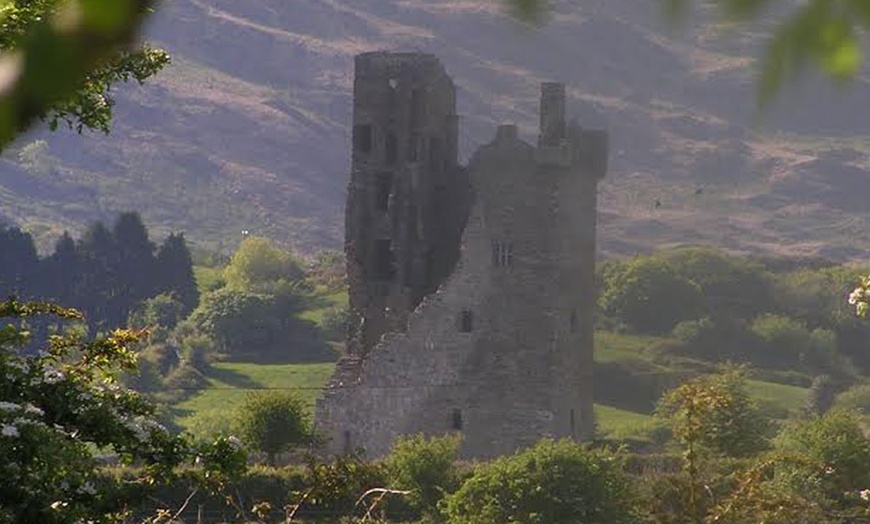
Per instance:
{"type": "Point", "coordinates": [715, 412]}
{"type": "Point", "coordinates": [835, 455]}
{"type": "Point", "coordinates": [334, 489]}
{"type": "Point", "coordinates": [551, 483]}
{"type": "Point", "coordinates": [425, 467]}
{"type": "Point", "coordinates": [649, 296]}
{"type": "Point", "coordinates": [273, 422]}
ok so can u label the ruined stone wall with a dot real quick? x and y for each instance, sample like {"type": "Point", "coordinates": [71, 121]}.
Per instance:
{"type": "Point", "coordinates": [496, 346]}
{"type": "Point", "coordinates": [502, 351]}
{"type": "Point", "coordinates": [407, 197]}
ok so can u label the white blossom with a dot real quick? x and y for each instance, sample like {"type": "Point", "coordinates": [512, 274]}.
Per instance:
{"type": "Point", "coordinates": [865, 494]}
{"type": "Point", "coordinates": [9, 406]}
{"type": "Point", "coordinates": [9, 431]}
{"type": "Point", "coordinates": [18, 364]}
{"type": "Point", "coordinates": [235, 442]}
{"type": "Point", "coordinates": [87, 488]}
{"type": "Point", "coordinates": [52, 375]}
{"type": "Point", "coordinates": [33, 410]}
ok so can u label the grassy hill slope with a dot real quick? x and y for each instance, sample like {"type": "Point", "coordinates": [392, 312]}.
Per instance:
{"type": "Point", "coordinates": [249, 127]}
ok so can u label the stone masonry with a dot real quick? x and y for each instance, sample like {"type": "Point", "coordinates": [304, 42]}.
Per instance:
{"type": "Point", "coordinates": [473, 288]}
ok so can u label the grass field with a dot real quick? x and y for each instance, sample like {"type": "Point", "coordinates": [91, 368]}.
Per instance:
{"type": "Point", "coordinates": [212, 410]}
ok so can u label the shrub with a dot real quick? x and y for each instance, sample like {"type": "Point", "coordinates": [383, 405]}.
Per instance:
{"type": "Point", "coordinates": [551, 483]}
{"type": "Point", "coordinates": [835, 453]}
{"type": "Point", "coordinates": [334, 488]}
{"type": "Point", "coordinates": [273, 422]}
{"type": "Point", "coordinates": [716, 413]}
{"type": "Point", "coordinates": [425, 467]}
{"type": "Point", "coordinates": [649, 296]}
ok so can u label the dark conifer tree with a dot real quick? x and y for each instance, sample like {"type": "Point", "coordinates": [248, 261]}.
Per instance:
{"type": "Point", "coordinates": [175, 267]}
{"type": "Point", "coordinates": [137, 278]}
{"type": "Point", "coordinates": [99, 277]}
{"type": "Point", "coordinates": [18, 263]}
{"type": "Point", "coordinates": [61, 273]}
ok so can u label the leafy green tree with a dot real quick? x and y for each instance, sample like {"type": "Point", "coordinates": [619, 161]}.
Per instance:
{"type": "Point", "coordinates": [551, 483]}
{"type": "Point", "coordinates": [425, 467]}
{"type": "Point", "coordinates": [273, 422]}
{"type": "Point", "coordinates": [837, 455]}
{"type": "Point", "coordinates": [159, 315]}
{"type": "Point", "coordinates": [649, 296]}
{"type": "Point", "coordinates": [68, 57]}
{"type": "Point", "coordinates": [243, 323]}
{"type": "Point", "coordinates": [715, 413]}
{"type": "Point", "coordinates": [257, 263]}
{"type": "Point", "coordinates": [59, 405]}
{"type": "Point", "coordinates": [731, 285]}
{"type": "Point", "coordinates": [175, 269]}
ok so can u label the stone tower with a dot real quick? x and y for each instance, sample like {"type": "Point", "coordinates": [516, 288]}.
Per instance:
{"type": "Point", "coordinates": [407, 199]}
{"type": "Point", "coordinates": [501, 349]}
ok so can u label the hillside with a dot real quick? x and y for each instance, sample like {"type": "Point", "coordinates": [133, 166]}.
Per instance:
{"type": "Point", "coordinates": [248, 128]}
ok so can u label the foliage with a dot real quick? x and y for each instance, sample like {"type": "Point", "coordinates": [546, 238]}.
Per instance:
{"type": "Point", "coordinates": [335, 322]}
{"type": "Point", "coordinates": [837, 454]}
{"type": "Point", "coordinates": [62, 403]}
{"type": "Point", "coordinates": [649, 296]}
{"type": "Point", "coordinates": [243, 323]}
{"type": "Point", "coordinates": [426, 468]}
{"type": "Point", "coordinates": [159, 315]}
{"type": "Point", "coordinates": [69, 54]}
{"type": "Point", "coordinates": [715, 413]}
{"type": "Point", "coordinates": [106, 274]}
{"type": "Point", "coordinates": [333, 489]}
{"type": "Point", "coordinates": [257, 263]}
{"type": "Point", "coordinates": [273, 422]}
{"type": "Point", "coordinates": [554, 482]}
{"type": "Point", "coordinates": [823, 392]}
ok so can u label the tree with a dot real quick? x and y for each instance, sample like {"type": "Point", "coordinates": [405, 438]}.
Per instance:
{"type": "Point", "coordinates": [99, 277]}
{"type": "Point", "coordinates": [18, 262]}
{"type": "Point", "coordinates": [57, 406]}
{"type": "Point", "coordinates": [649, 296]}
{"type": "Point", "coordinates": [273, 422]}
{"type": "Point", "coordinates": [425, 467]}
{"type": "Point", "coordinates": [715, 413]}
{"type": "Point", "coordinates": [137, 278]}
{"type": "Point", "coordinates": [68, 60]}
{"type": "Point", "coordinates": [822, 33]}
{"type": "Point", "coordinates": [175, 269]}
{"type": "Point", "coordinates": [836, 453]}
{"type": "Point", "coordinates": [555, 482]}
{"type": "Point", "coordinates": [257, 265]}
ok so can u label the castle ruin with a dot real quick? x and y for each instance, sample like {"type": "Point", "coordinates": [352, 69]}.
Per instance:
{"type": "Point", "coordinates": [472, 289]}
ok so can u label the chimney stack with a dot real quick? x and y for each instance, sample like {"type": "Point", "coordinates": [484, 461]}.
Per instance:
{"type": "Point", "coordinates": [552, 114]}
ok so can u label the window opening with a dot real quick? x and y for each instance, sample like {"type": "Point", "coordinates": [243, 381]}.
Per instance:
{"type": "Point", "coordinates": [466, 321]}
{"type": "Point", "coordinates": [457, 419]}
{"type": "Point", "coordinates": [573, 323]}
{"type": "Point", "coordinates": [573, 424]}
{"type": "Point", "coordinates": [362, 138]}
{"type": "Point", "coordinates": [502, 254]}
{"type": "Point", "coordinates": [384, 188]}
